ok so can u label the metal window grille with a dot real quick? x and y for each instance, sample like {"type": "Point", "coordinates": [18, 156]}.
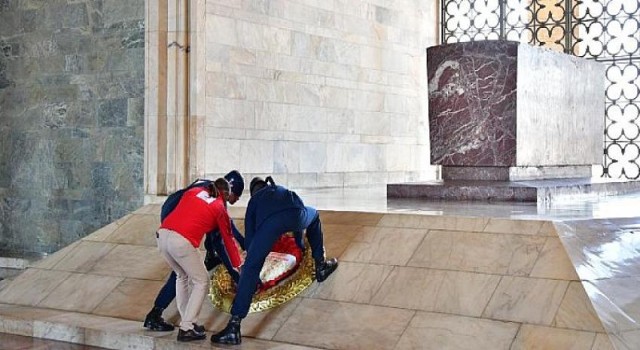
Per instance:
{"type": "Point", "coordinates": [607, 31]}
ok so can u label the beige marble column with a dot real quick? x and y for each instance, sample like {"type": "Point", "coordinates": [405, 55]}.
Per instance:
{"type": "Point", "coordinates": [166, 95]}
{"type": "Point", "coordinates": [197, 83]}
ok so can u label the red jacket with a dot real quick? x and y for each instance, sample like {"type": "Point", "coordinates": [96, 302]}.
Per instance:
{"type": "Point", "coordinates": [197, 214]}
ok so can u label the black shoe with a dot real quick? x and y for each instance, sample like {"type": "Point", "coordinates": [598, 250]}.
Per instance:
{"type": "Point", "coordinates": [199, 328]}
{"type": "Point", "coordinates": [326, 268]}
{"type": "Point", "coordinates": [155, 322]}
{"type": "Point", "coordinates": [190, 335]}
{"type": "Point", "coordinates": [230, 334]}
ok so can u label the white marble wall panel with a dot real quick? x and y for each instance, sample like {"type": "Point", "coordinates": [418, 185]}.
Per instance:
{"type": "Point", "coordinates": [330, 179]}
{"type": "Point", "coordinates": [226, 85]}
{"type": "Point", "coordinates": [218, 154]}
{"type": "Point", "coordinates": [225, 29]}
{"type": "Point", "coordinates": [357, 178]}
{"type": "Point", "coordinates": [367, 123]}
{"type": "Point", "coordinates": [224, 134]}
{"type": "Point", "coordinates": [286, 157]}
{"type": "Point", "coordinates": [345, 80]}
{"type": "Point", "coordinates": [313, 157]}
{"type": "Point", "coordinates": [354, 157]}
{"type": "Point", "coordinates": [256, 156]}
{"type": "Point", "coordinates": [230, 113]}
{"type": "Point", "coordinates": [399, 156]}
{"type": "Point", "coordinates": [301, 180]}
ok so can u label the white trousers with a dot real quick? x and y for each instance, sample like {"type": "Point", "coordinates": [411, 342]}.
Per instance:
{"type": "Point", "coordinates": [186, 261]}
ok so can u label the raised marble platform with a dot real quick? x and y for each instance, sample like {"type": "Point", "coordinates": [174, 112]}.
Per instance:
{"type": "Point", "coordinates": [468, 282]}
{"type": "Point", "coordinates": [540, 191]}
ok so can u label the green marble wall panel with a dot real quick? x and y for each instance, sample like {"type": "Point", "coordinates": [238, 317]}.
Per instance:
{"type": "Point", "coordinates": [71, 118]}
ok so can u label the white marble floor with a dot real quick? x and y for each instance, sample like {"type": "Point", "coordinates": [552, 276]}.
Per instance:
{"type": "Point", "coordinates": [373, 199]}
{"type": "Point", "coordinates": [600, 235]}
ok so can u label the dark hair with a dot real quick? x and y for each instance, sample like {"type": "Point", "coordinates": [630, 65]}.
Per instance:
{"type": "Point", "coordinates": [217, 187]}
{"type": "Point", "coordinates": [256, 184]}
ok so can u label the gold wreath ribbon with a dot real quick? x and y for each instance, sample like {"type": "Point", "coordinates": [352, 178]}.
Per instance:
{"type": "Point", "coordinates": [222, 289]}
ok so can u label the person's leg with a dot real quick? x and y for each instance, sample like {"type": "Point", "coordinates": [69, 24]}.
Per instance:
{"type": "Point", "coordinates": [311, 219]}
{"type": "Point", "coordinates": [154, 321]}
{"type": "Point", "coordinates": [190, 260]}
{"type": "Point", "coordinates": [211, 259]}
{"type": "Point", "coordinates": [324, 267]}
{"type": "Point", "coordinates": [265, 237]}
{"type": "Point", "coordinates": [221, 251]}
{"type": "Point", "coordinates": [172, 246]}
{"type": "Point", "coordinates": [250, 276]}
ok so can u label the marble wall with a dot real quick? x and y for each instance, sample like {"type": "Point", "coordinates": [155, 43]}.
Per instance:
{"type": "Point", "coordinates": [318, 93]}
{"type": "Point", "coordinates": [71, 118]}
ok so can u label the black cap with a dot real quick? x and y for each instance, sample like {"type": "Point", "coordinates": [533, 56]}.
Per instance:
{"type": "Point", "coordinates": [236, 182]}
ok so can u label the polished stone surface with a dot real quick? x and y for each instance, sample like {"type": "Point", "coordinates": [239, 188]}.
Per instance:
{"type": "Point", "coordinates": [498, 114]}
{"type": "Point", "coordinates": [19, 342]}
{"type": "Point", "coordinates": [472, 103]}
{"type": "Point", "coordinates": [502, 104]}
{"type": "Point", "coordinates": [540, 191]}
{"type": "Point", "coordinates": [413, 275]}
{"type": "Point", "coordinates": [72, 83]}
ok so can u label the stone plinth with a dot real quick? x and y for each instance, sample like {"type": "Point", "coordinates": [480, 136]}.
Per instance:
{"type": "Point", "coordinates": [501, 110]}
{"type": "Point", "coordinates": [540, 191]}
{"type": "Point", "coordinates": [513, 122]}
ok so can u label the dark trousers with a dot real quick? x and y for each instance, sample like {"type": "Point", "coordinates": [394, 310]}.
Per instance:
{"type": "Point", "coordinates": [212, 243]}
{"type": "Point", "coordinates": [295, 220]}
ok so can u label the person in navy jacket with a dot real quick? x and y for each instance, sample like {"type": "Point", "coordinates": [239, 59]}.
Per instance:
{"type": "Point", "coordinates": [272, 211]}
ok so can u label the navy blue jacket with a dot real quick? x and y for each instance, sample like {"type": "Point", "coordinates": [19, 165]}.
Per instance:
{"type": "Point", "coordinates": [265, 203]}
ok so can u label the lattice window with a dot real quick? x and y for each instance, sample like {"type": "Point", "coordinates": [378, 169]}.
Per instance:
{"type": "Point", "coordinates": [607, 31]}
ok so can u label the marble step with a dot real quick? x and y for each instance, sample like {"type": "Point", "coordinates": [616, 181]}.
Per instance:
{"type": "Point", "coordinates": [18, 260]}
{"type": "Point", "coordinates": [14, 263]}
{"type": "Point", "coordinates": [106, 332]}
{"type": "Point", "coordinates": [9, 273]}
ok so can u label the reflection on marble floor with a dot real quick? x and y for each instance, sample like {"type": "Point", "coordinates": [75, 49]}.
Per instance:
{"type": "Point", "coordinates": [414, 275]}
{"type": "Point", "coordinates": [373, 199]}
{"type": "Point", "coordinates": [18, 342]}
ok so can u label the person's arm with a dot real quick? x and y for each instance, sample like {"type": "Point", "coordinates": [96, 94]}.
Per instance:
{"type": "Point", "coordinates": [237, 234]}
{"type": "Point", "coordinates": [224, 224]}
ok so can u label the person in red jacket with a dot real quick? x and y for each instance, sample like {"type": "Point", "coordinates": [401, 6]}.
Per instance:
{"type": "Point", "coordinates": [200, 210]}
